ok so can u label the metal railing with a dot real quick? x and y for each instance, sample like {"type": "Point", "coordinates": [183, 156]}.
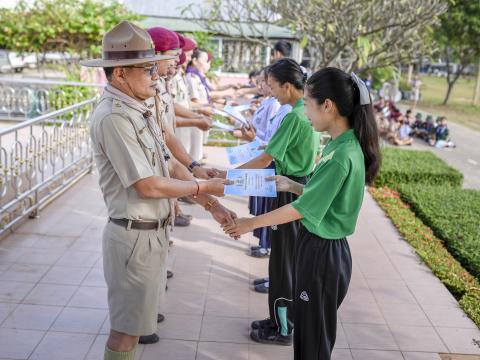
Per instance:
{"type": "Point", "coordinates": [22, 99]}
{"type": "Point", "coordinates": [40, 158]}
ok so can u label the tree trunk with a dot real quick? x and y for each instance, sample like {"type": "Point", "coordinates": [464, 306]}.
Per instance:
{"type": "Point", "coordinates": [476, 93]}
{"type": "Point", "coordinates": [449, 91]}
{"type": "Point", "coordinates": [451, 83]}
{"type": "Point", "coordinates": [410, 73]}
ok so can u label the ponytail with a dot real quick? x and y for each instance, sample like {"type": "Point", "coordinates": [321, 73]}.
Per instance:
{"type": "Point", "coordinates": [353, 103]}
{"type": "Point", "coordinates": [288, 71]}
{"type": "Point", "coordinates": [365, 128]}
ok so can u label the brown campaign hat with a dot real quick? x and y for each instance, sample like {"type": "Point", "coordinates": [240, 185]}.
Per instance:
{"type": "Point", "coordinates": [126, 44]}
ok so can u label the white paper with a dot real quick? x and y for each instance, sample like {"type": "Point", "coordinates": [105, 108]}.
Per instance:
{"type": "Point", "coordinates": [243, 153]}
{"type": "Point", "coordinates": [236, 114]}
{"type": "Point", "coordinates": [251, 182]}
{"type": "Point", "coordinates": [223, 126]}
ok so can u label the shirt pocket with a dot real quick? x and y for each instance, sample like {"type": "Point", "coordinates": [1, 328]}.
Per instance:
{"type": "Point", "coordinates": [148, 146]}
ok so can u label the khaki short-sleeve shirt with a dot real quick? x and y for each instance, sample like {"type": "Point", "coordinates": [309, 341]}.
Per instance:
{"type": "Point", "coordinates": [180, 90]}
{"type": "Point", "coordinates": [125, 153]}
{"type": "Point", "coordinates": [196, 89]}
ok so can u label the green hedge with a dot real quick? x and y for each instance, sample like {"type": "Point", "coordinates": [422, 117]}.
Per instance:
{"type": "Point", "coordinates": [417, 167]}
{"type": "Point", "coordinates": [454, 216]}
{"type": "Point", "coordinates": [432, 250]}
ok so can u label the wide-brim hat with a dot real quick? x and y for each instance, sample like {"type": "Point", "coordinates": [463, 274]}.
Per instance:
{"type": "Point", "coordinates": [126, 44]}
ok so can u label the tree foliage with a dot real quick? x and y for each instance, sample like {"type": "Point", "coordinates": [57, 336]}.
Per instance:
{"type": "Point", "coordinates": [458, 35]}
{"type": "Point", "coordinates": [351, 34]}
{"type": "Point", "coordinates": [72, 26]}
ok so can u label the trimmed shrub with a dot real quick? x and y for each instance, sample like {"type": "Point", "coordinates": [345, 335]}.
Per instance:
{"type": "Point", "coordinates": [454, 216]}
{"type": "Point", "coordinates": [432, 250]}
{"type": "Point", "coordinates": [415, 167]}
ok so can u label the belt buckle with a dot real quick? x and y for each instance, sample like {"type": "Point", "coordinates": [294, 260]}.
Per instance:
{"type": "Point", "coordinates": [129, 225]}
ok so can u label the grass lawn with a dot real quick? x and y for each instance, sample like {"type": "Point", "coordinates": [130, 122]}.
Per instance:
{"type": "Point", "coordinates": [459, 108]}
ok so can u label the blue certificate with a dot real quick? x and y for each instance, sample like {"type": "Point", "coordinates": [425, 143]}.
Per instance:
{"type": "Point", "coordinates": [243, 153]}
{"type": "Point", "coordinates": [251, 182]}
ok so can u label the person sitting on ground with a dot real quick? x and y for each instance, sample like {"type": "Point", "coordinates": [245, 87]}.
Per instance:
{"type": "Point", "coordinates": [441, 138]}
{"type": "Point", "coordinates": [379, 105]}
{"type": "Point", "coordinates": [393, 127]}
{"type": "Point", "coordinates": [428, 131]}
{"type": "Point", "coordinates": [409, 117]}
{"type": "Point", "coordinates": [383, 124]}
{"type": "Point", "coordinates": [402, 137]}
{"type": "Point", "coordinates": [418, 125]}
{"type": "Point", "coordinates": [395, 112]}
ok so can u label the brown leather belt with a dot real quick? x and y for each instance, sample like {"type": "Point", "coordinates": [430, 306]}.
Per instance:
{"type": "Point", "coordinates": [141, 224]}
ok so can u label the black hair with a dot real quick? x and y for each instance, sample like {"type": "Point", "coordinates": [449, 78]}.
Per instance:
{"type": "Point", "coordinates": [336, 85]}
{"type": "Point", "coordinates": [283, 47]}
{"type": "Point", "coordinates": [196, 54]}
{"type": "Point", "coordinates": [409, 111]}
{"type": "Point", "coordinates": [253, 73]}
{"type": "Point", "coordinates": [265, 72]}
{"type": "Point", "coordinates": [288, 71]}
{"type": "Point", "coordinates": [108, 72]}
{"type": "Point", "coordinates": [305, 63]}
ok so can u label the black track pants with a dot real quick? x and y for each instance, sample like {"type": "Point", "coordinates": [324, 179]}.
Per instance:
{"type": "Point", "coordinates": [280, 266]}
{"type": "Point", "coordinates": [322, 274]}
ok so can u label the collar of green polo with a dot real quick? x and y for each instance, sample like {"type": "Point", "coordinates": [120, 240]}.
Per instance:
{"type": "Point", "coordinates": [298, 104]}
{"type": "Point", "coordinates": [345, 136]}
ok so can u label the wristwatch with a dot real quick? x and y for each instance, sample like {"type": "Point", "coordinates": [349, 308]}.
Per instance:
{"type": "Point", "coordinates": [192, 165]}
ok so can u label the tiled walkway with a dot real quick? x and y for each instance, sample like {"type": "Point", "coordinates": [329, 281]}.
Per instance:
{"type": "Point", "coordinates": [53, 305]}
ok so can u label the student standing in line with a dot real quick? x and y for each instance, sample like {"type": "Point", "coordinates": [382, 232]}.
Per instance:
{"type": "Point", "coordinates": [261, 204]}
{"type": "Point", "coordinates": [293, 148]}
{"type": "Point", "coordinates": [328, 206]}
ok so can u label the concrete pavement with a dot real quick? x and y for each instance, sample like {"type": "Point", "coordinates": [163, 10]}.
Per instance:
{"type": "Point", "coordinates": [53, 295]}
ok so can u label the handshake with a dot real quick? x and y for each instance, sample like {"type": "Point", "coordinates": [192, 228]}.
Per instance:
{"type": "Point", "coordinates": [234, 226]}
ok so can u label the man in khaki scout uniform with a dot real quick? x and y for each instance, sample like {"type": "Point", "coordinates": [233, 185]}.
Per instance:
{"type": "Point", "coordinates": [134, 173]}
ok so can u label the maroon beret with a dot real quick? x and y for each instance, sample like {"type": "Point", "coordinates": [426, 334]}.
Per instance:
{"type": "Point", "coordinates": [164, 39]}
{"type": "Point", "coordinates": [182, 58]}
{"type": "Point", "coordinates": [188, 44]}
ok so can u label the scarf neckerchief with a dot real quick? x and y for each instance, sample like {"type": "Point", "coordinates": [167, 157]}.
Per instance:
{"type": "Point", "coordinates": [203, 79]}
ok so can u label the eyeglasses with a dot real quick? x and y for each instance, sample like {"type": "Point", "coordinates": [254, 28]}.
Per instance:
{"type": "Point", "coordinates": [152, 70]}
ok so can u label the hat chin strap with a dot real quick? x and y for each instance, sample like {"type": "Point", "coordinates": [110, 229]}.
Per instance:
{"type": "Point", "coordinates": [133, 94]}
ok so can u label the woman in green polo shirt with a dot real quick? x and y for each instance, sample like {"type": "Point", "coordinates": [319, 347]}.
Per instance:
{"type": "Point", "coordinates": [328, 206]}
{"type": "Point", "coordinates": [293, 148]}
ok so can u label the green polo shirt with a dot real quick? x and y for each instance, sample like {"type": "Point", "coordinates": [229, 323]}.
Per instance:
{"type": "Point", "coordinates": [294, 144]}
{"type": "Point", "coordinates": [332, 198]}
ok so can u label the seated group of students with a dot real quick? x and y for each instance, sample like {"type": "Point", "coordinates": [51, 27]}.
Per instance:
{"type": "Point", "coordinates": [401, 128]}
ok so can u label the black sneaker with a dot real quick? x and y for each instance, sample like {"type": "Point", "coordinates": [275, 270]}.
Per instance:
{"type": "Point", "coordinates": [169, 274]}
{"type": "Point", "coordinates": [148, 339]}
{"type": "Point", "coordinates": [260, 281]}
{"type": "Point", "coordinates": [262, 288]}
{"type": "Point", "coordinates": [271, 336]}
{"type": "Point", "coordinates": [182, 221]}
{"type": "Point", "coordinates": [160, 318]}
{"type": "Point", "coordinates": [261, 324]}
{"type": "Point", "coordinates": [260, 253]}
